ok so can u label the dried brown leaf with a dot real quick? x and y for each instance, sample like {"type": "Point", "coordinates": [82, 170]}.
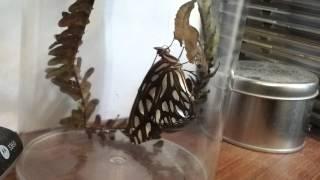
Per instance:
{"type": "Point", "coordinates": [88, 73]}
{"type": "Point", "coordinates": [74, 19]}
{"type": "Point", "coordinates": [68, 121]}
{"type": "Point", "coordinates": [192, 48]}
{"type": "Point", "coordinates": [60, 82]}
{"type": "Point", "coordinates": [117, 124]}
{"type": "Point", "coordinates": [86, 1]}
{"type": "Point", "coordinates": [69, 41]}
{"type": "Point", "coordinates": [63, 51]}
{"type": "Point", "coordinates": [77, 68]}
{"type": "Point", "coordinates": [187, 34]}
{"type": "Point", "coordinates": [81, 6]}
{"type": "Point", "coordinates": [73, 93]}
{"type": "Point", "coordinates": [60, 60]}
{"type": "Point", "coordinates": [77, 72]}
{"type": "Point", "coordinates": [74, 31]}
{"type": "Point", "coordinates": [86, 97]}
{"type": "Point", "coordinates": [69, 87]}
{"type": "Point", "coordinates": [56, 71]}
{"type": "Point", "coordinates": [90, 1]}
{"type": "Point", "coordinates": [66, 75]}
{"type": "Point", "coordinates": [75, 120]}
{"type": "Point", "coordinates": [97, 121]}
{"type": "Point", "coordinates": [109, 124]}
{"type": "Point", "coordinates": [95, 126]}
{"type": "Point", "coordinates": [182, 20]}
{"type": "Point", "coordinates": [63, 83]}
{"type": "Point", "coordinates": [85, 87]}
{"type": "Point", "coordinates": [91, 106]}
{"type": "Point", "coordinates": [77, 114]}
{"type": "Point", "coordinates": [79, 62]}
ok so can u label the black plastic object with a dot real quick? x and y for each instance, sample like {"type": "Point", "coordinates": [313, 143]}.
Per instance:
{"type": "Point", "coordinates": [10, 148]}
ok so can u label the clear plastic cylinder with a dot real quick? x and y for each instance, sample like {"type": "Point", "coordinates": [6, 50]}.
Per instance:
{"type": "Point", "coordinates": [118, 43]}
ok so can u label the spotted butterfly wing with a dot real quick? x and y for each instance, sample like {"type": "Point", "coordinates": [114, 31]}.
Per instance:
{"type": "Point", "coordinates": [163, 102]}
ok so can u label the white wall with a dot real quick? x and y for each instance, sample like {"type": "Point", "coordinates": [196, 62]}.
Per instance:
{"type": "Point", "coordinates": [10, 19]}
{"type": "Point", "coordinates": [133, 28]}
{"type": "Point", "coordinates": [119, 43]}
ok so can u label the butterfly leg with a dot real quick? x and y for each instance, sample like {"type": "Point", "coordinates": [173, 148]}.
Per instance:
{"type": "Point", "coordinates": [155, 132]}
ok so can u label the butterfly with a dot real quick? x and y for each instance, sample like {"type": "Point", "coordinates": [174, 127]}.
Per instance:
{"type": "Point", "coordinates": [164, 102]}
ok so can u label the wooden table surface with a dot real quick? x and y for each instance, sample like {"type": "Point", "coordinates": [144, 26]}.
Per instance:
{"type": "Point", "coordinates": [240, 164]}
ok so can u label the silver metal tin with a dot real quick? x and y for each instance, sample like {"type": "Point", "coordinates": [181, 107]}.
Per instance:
{"type": "Point", "coordinates": [268, 106]}
{"type": "Point", "coordinates": [274, 81]}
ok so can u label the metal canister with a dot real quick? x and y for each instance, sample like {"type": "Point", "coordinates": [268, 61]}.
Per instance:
{"type": "Point", "coordinates": [269, 106]}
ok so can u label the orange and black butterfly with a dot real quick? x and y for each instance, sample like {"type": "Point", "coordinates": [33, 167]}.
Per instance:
{"type": "Point", "coordinates": [164, 101]}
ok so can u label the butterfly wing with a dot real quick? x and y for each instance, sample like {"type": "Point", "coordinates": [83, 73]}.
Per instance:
{"type": "Point", "coordinates": [141, 128]}
{"type": "Point", "coordinates": [174, 108]}
{"type": "Point", "coordinates": [163, 103]}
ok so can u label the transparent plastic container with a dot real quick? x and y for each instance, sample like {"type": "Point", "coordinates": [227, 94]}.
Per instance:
{"type": "Point", "coordinates": [119, 43]}
{"type": "Point", "coordinates": [71, 155]}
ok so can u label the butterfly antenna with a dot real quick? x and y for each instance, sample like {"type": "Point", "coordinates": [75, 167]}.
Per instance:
{"type": "Point", "coordinates": [191, 72]}
{"type": "Point", "coordinates": [181, 53]}
{"type": "Point", "coordinates": [154, 60]}
{"type": "Point", "coordinates": [184, 63]}
{"type": "Point", "coordinates": [168, 47]}
{"type": "Point", "coordinates": [171, 43]}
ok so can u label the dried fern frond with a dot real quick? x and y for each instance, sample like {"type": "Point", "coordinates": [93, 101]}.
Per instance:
{"type": "Point", "coordinates": [65, 67]}
{"type": "Point", "coordinates": [188, 35]}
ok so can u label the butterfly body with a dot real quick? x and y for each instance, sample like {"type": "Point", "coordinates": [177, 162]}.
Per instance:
{"type": "Point", "coordinates": [163, 102]}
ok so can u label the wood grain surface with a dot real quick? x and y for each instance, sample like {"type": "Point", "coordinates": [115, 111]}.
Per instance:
{"type": "Point", "coordinates": [236, 163]}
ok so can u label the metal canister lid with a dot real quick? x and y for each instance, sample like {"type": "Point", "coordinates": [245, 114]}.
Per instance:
{"type": "Point", "coordinates": [274, 81]}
